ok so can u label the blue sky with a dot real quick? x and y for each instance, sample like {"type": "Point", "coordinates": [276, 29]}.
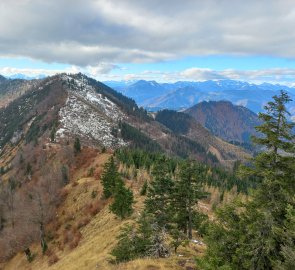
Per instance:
{"type": "Point", "coordinates": [164, 41]}
{"type": "Point", "coordinates": [216, 62]}
{"type": "Point", "coordinates": [168, 70]}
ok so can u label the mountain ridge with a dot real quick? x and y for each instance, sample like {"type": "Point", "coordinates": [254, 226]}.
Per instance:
{"type": "Point", "coordinates": [182, 95]}
{"type": "Point", "coordinates": [95, 113]}
{"type": "Point", "coordinates": [225, 120]}
{"type": "Point", "coordinates": [55, 139]}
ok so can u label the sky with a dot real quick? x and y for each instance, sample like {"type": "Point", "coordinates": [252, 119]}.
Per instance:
{"type": "Point", "coordinates": [167, 40]}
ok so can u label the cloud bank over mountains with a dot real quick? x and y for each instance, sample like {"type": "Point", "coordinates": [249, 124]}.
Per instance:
{"type": "Point", "coordinates": [283, 76]}
{"type": "Point", "coordinates": [96, 35]}
{"type": "Point", "coordinates": [91, 32]}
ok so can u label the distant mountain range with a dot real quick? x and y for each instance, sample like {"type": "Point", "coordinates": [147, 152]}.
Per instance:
{"type": "Point", "coordinates": [182, 95]}
{"type": "Point", "coordinates": [79, 106]}
{"type": "Point", "coordinates": [230, 122]}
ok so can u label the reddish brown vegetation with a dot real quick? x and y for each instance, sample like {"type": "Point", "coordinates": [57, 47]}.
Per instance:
{"type": "Point", "coordinates": [84, 159]}
{"type": "Point", "coordinates": [95, 207]}
{"type": "Point", "coordinates": [29, 200]}
{"type": "Point", "coordinates": [71, 237]}
{"type": "Point", "coordinates": [52, 259]}
{"type": "Point", "coordinates": [82, 223]}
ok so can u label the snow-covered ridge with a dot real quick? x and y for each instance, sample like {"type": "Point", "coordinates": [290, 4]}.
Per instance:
{"type": "Point", "coordinates": [88, 114]}
{"type": "Point", "coordinates": [81, 88]}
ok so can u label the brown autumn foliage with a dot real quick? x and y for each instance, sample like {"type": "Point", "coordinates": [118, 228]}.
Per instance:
{"type": "Point", "coordinates": [71, 237]}
{"type": "Point", "coordinates": [52, 259]}
{"type": "Point", "coordinates": [93, 208]}
{"type": "Point", "coordinates": [83, 222]}
{"type": "Point", "coordinates": [26, 208]}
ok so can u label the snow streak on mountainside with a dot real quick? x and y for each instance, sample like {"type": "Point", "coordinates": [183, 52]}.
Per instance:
{"type": "Point", "coordinates": [88, 93]}
{"type": "Point", "coordinates": [65, 107]}
{"type": "Point", "coordinates": [88, 114]}
{"type": "Point", "coordinates": [80, 119]}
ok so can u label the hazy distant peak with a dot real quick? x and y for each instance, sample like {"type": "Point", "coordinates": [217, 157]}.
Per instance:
{"type": "Point", "coordinates": [2, 78]}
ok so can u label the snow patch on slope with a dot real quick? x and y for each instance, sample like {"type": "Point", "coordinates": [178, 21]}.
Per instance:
{"type": "Point", "coordinates": [78, 119]}
{"type": "Point", "coordinates": [88, 114]}
{"type": "Point", "coordinates": [82, 89]}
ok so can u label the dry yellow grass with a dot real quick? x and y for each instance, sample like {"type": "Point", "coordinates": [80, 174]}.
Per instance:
{"type": "Point", "coordinates": [98, 236]}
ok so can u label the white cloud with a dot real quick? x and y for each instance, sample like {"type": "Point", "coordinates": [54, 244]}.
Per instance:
{"type": "Point", "coordinates": [274, 75]}
{"type": "Point", "coordinates": [102, 68]}
{"type": "Point", "coordinates": [8, 71]}
{"type": "Point", "coordinates": [201, 74]}
{"type": "Point", "coordinates": [94, 71]}
{"type": "Point", "coordinates": [87, 32]}
{"type": "Point", "coordinates": [284, 76]}
{"type": "Point", "coordinates": [102, 72]}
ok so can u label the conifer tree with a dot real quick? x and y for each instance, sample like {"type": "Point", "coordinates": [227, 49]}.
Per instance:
{"type": "Point", "coordinates": [110, 177]}
{"type": "Point", "coordinates": [266, 214]}
{"type": "Point", "coordinates": [77, 146]}
{"type": "Point", "coordinates": [123, 200]}
{"type": "Point", "coordinates": [159, 195]}
{"type": "Point", "coordinates": [65, 174]}
{"type": "Point", "coordinates": [259, 234]}
{"type": "Point", "coordinates": [125, 250]}
{"type": "Point", "coordinates": [276, 166]}
{"type": "Point", "coordinates": [135, 240]}
{"type": "Point", "coordinates": [187, 192]}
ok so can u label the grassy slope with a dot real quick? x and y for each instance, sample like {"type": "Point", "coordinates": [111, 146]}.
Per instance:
{"type": "Point", "coordinates": [99, 235]}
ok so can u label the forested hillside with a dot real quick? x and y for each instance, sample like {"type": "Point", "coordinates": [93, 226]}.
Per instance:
{"type": "Point", "coordinates": [89, 180]}
{"type": "Point", "coordinates": [12, 89]}
{"type": "Point", "coordinates": [225, 120]}
{"type": "Point", "coordinates": [186, 126]}
{"type": "Point", "coordinates": [147, 135]}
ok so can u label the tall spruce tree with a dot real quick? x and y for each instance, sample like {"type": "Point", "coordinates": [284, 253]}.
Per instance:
{"type": "Point", "coordinates": [187, 192]}
{"type": "Point", "coordinates": [159, 195]}
{"type": "Point", "coordinates": [123, 200]}
{"type": "Point", "coordinates": [52, 134]}
{"type": "Point", "coordinates": [77, 146]}
{"type": "Point", "coordinates": [110, 177]}
{"type": "Point", "coordinates": [276, 165]}
{"type": "Point", "coordinates": [135, 240]}
{"type": "Point", "coordinates": [254, 234]}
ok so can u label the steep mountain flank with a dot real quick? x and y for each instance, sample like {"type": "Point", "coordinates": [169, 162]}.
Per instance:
{"type": "Point", "coordinates": [185, 125]}
{"type": "Point", "coordinates": [225, 120]}
{"type": "Point", "coordinates": [55, 143]}
{"type": "Point", "coordinates": [32, 114]}
{"type": "Point", "coordinates": [10, 89]}
{"type": "Point", "coordinates": [64, 107]}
